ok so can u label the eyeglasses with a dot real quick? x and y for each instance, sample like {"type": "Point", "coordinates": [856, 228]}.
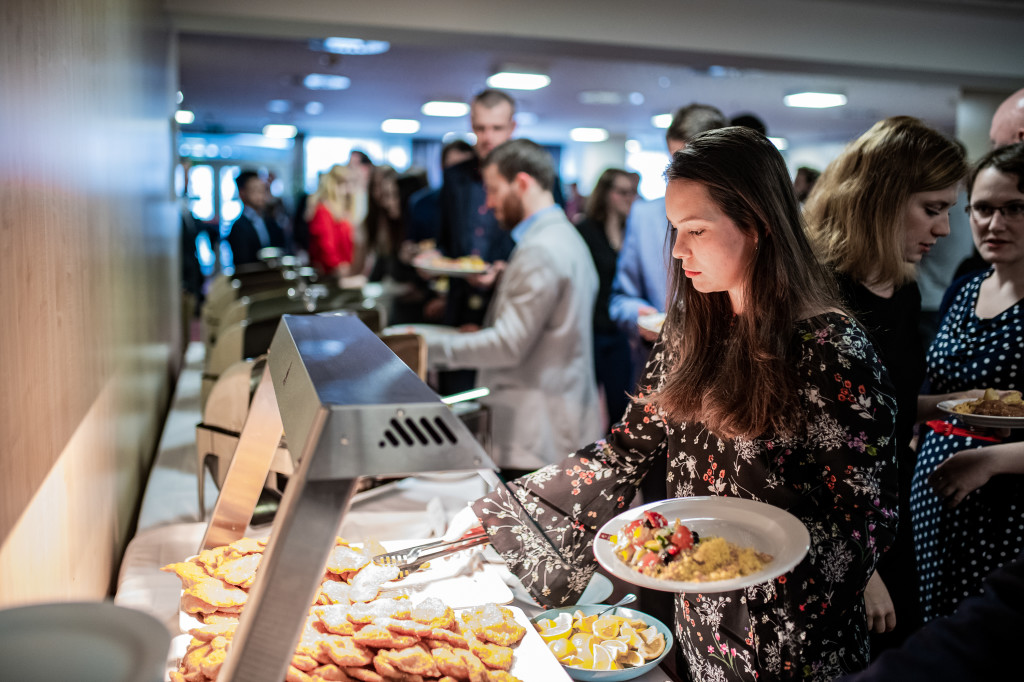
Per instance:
{"type": "Point", "coordinates": [1013, 211]}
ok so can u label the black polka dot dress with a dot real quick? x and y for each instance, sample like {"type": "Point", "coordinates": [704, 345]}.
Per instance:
{"type": "Point", "coordinates": [956, 548]}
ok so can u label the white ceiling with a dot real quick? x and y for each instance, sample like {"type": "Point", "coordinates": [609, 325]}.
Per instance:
{"type": "Point", "coordinates": [234, 62]}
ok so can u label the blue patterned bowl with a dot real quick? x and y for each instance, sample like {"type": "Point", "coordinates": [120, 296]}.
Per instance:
{"type": "Point", "coordinates": [612, 675]}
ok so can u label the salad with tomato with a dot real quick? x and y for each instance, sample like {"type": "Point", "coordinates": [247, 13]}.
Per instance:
{"type": "Point", "coordinates": [651, 541]}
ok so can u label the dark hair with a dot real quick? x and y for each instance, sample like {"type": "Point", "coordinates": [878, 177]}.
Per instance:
{"type": "Point", "coordinates": [1008, 160]}
{"type": "Point", "coordinates": [383, 233]}
{"type": "Point", "coordinates": [243, 179]}
{"type": "Point", "coordinates": [597, 202]}
{"type": "Point", "coordinates": [811, 174]}
{"type": "Point", "coordinates": [455, 146]}
{"type": "Point", "coordinates": [734, 373]}
{"type": "Point", "coordinates": [523, 156]}
{"type": "Point", "coordinates": [693, 119]}
{"type": "Point", "coordinates": [749, 121]}
{"type": "Point", "coordinates": [360, 157]}
{"type": "Point", "coordinates": [491, 98]}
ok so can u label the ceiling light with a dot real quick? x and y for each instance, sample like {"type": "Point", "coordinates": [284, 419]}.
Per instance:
{"type": "Point", "coordinates": [279, 131]}
{"type": "Point", "coordinates": [661, 120]}
{"type": "Point", "coordinates": [780, 143]}
{"type": "Point", "coordinates": [314, 108]}
{"type": "Point", "coordinates": [451, 109]}
{"type": "Point", "coordinates": [278, 106]}
{"type": "Point", "coordinates": [636, 98]}
{"type": "Point", "coordinates": [356, 46]}
{"type": "Point", "coordinates": [588, 134]}
{"type": "Point", "coordinates": [599, 97]}
{"type": "Point", "coordinates": [401, 126]}
{"type": "Point", "coordinates": [325, 81]}
{"type": "Point", "coordinates": [814, 100]}
{"type": "Point", "coordinates": [184, 116]}
{"type": "Point", "coordinates": [179, 97]}
{"type": "Point", "coordinates": [634, 146]}
{"type": "Point", "coordinates": [512, 80]}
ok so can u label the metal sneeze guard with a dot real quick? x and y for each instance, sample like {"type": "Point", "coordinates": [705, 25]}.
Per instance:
{"type": "Point", "coordinates": [351, 411]}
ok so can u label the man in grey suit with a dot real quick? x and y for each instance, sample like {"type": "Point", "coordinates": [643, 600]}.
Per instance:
{"type": "Point", "coordinates": [534, 351]}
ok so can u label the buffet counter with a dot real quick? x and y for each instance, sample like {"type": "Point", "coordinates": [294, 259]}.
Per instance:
{"type": "Point", "coordinates": [171, 529]}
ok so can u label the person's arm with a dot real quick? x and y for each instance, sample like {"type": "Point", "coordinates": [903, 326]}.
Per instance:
{"type": "Point", "coordinates": [530, 290]}
{"type": "Point", "coordinates": [628, 294]}
{"type": "Point", "coordinates": [848, 475]}
{"type": "Point", "coordinates": [545, 527]}
{"type": "Point", "coordinates": [967, 470]}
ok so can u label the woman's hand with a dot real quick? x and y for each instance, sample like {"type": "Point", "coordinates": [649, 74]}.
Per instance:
{"type": "Point", "coordinates": [881, 612]}
{"type": "Point", "coordinates": [962, 474]}
{"type": "Point", "coordinates": [646, 334]}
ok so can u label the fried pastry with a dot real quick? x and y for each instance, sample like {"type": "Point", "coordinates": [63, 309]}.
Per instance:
{"type": "Point", "coordinates": [345, 652]}
{"type": "Point", "coordinates": [414, 660]}
{"type": "Point", "coordinates": [382, 638]}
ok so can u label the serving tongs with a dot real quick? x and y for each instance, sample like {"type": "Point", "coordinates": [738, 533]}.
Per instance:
{"type": "Point", "coordinates": [409, 559]}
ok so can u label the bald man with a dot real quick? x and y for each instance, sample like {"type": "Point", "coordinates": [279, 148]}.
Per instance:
{"type": "Point", "coordinates": [1008, 121]}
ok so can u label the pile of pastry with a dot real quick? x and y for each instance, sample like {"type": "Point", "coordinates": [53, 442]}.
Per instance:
{"type": "Point", "coordinates": [351, 633]}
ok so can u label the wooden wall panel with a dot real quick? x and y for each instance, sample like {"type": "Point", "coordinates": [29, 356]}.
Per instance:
{"type": "Point", "coordinates": [89, 323]}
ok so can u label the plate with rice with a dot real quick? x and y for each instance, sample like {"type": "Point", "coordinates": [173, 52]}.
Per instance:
{"type": "Point", "coordinates": [701, 544]}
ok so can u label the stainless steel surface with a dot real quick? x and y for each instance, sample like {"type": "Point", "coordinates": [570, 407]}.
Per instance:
{"type": "Point", "coordinates": [257, 444]}
{"type": "Point", "coordinates": [351, 409]}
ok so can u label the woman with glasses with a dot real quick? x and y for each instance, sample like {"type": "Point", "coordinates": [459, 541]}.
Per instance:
{"type": "Point", "coordinates": [874, 213]}
{"type": "Point", "coordinates": [602, 228]}
{"type": "Point", "coordinates": [968, 494]}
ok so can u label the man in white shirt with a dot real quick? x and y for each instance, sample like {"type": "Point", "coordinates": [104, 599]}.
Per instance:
{"type": "Point", "coordinates": [534, 351]}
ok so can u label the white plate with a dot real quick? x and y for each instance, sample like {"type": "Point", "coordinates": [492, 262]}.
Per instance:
{"type": "Point", "coordinates": [985, 420]}
{"type": "Point", "coordinates": [444, 267]}
{"type": "Point", "coordinates": [424, 330]}
{"type": "Point", "coordinates": [744, 522]}
{"type": "Point", "coordinates": [82, 641]}
{"type": "Point", "coordinates": [652, 322]}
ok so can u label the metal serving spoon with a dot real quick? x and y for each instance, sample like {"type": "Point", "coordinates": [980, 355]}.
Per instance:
{"type": "Point", "coordinates": [628, 599]}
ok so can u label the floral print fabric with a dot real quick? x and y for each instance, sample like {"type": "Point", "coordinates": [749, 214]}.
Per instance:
{"type": "Point", "coordinates": [839, 478]}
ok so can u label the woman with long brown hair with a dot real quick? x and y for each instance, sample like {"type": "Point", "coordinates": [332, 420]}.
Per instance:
{"type": "Point", "coordinates": [759, 387]}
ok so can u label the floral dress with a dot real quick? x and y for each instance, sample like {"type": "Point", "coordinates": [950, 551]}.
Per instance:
{"type": "Point", "coordinates": [986, 530]}
{"type": "Point", "coordinates": [839, 478]}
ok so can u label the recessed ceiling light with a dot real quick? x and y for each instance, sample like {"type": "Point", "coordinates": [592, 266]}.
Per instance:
{"type": "Point", "coordinates": [184, 117]}
{"type": "Point", "coordinates": [314, 108]}
{"type": "Point", "coordinates": [450, 109]}
{"type": "Point", "coordinates": [814, 100]}
{"type": "Point", "coordinates": [588, 134]}
{"type": "Point", "coordinates": [637, 98]}
{"type": "Point", "coordinates": [511, 80]}
{"type": "Point", "coordinates": [179, 97]}
{"type": "Point", "coordinates": [279, 131]}
{"type": "Point", "coordinates": [661, 120]}
{"type": "Point", "coordinates": [279, 106]}
{"type": "Point", "coordinates": [780, 143]}
{"type": "Point", "coordinates": [600, 97]}
{"type": "Point", "coordinates": [402, 126]}
{"type": "Point", "coordinates": [356, 46]}
{"type": "Point", "coordinates": [326, 81]}
{"type": "Point", "coordinates": [634, 146]}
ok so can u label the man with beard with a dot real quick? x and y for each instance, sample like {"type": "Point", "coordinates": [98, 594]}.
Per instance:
{"type": "Point", "coordinates": [534, 351]}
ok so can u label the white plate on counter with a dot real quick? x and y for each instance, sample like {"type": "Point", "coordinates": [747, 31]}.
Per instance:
{"type": "Point", "coordinates": [744, 522]}
{"type": "Point", "coordinates": [81, 641]}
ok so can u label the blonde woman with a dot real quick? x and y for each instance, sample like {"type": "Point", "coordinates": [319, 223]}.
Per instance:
{"type": "Point", "coordinates": [331, 217]}
{"type": "Point", "coordinates": [874, 213]}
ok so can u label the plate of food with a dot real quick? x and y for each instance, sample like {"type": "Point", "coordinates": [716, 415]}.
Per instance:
{"type": "Point", "coordinates": [652, 323]}
{"type": "Point", "coordinates": [621, 644]}
{"type": "Point", "coordinates": [701, 544]}
{"type": "Point", "coordinates": [434, 262]}
{"type": "Point", "coordinates": [424, 330]}
{"type": "Point", "coordinates": [995, 409]}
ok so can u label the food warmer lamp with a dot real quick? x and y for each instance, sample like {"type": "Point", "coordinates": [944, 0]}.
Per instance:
{"type": "Point", "coordinates": [356, 414]}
